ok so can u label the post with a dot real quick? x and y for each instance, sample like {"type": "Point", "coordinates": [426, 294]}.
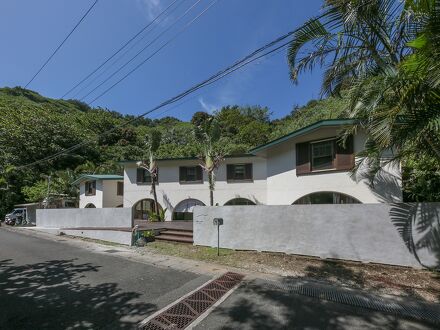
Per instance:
{"type": "Point", "coordinates": [218, 222]}
{"type": "Point", "coordinates": [218, 239]}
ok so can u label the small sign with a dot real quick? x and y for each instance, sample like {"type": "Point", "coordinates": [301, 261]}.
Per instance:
{"type": "Point", "coordinates": [217, 221]}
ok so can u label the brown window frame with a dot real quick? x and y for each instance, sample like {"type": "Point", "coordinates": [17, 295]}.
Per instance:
{"type": "Point", "coordinates": [230, 169]}
{"type": "Point", "coordinates": [120, 188]}
{"type": "Point", "coordinates": [332, 142]}
{"type": "Point", "coordinates": [183, 177]}
{"type": "Point", "coordinates": [90, 188]}
{"type": "Point", "coordinates": [343, 156]}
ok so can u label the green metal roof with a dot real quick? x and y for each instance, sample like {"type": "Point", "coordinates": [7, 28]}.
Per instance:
{"type": "Point", "coordinates": [305, 130]}
{"type": "Point", "coordinates": [98, 177]}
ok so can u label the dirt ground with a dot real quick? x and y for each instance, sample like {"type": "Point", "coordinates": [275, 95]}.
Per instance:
{"type": "Point", "coordinates": [375, 278]}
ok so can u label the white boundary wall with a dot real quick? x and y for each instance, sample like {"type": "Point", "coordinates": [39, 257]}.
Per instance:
{"type": "Point", "coordinates": [102, 219]}
{"type": "Point", "coordinates": [360, 232]}
{"type": "Point", "coordinates": [74, 218]}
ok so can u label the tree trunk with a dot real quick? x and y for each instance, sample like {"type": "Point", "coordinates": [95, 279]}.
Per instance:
{"type": "Point", "coordinates": [156, 204]}
{"type": "Point", "coordinates": [211, 189]}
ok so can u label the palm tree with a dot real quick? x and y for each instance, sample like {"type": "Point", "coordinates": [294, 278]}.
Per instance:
{"type": "Point", "coordinates": [352, 39]}
{"type": "Point", "coordinates": [207, 134]}
{"type": "Point", "coordinates": [152, 142]}
{"type": "Point", "coordinates": [373, 51]}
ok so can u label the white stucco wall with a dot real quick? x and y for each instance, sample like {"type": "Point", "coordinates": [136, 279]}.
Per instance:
{"type": "Point", "coordinates": [274, 179]}
{"type": "Point", "coordinates": [110, 196]}
{"type": "Point", "coordinates": [170, 192]}
{"type": "Point", "coordinates": [96, 199]}
{"type": "Point", "coordinates": [106, 195]}
{"type": "Point", "coordinates": [284, 187]}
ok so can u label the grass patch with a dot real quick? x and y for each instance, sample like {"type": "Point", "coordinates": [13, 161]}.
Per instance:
{"type": "Point", "coordinates": [377, 278]}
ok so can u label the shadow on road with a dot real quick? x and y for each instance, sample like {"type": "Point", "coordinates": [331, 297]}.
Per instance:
{"type": "Point", "coordinates": [255, 306]}
{"type": "Point", "coordinates": [50, 295]}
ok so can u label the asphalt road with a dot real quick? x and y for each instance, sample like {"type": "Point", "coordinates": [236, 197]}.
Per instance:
{"type": "Point", "coordinates": [254, 306]}
{"type": "Point", "coordinates": [47, 284]}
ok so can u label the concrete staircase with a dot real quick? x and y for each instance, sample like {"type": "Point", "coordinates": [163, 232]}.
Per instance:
{"type": "Point", "coordinates": [175, 235]}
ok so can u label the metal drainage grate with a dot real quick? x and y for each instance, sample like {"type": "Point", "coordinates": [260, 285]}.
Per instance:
{"type": "Point", "coordinates": [418, 311]}
{"type": "Point", "coordinates": [183, 313]}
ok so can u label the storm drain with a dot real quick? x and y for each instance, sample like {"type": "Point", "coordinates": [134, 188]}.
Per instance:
{"type": "Point", "coordinates": [183, 313]}
{"type": "Point", "coordinates": [419, 311]}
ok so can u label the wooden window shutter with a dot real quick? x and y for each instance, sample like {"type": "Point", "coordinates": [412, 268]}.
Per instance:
{"type": "Point", "coordinates": [182, 174]}
{"type": "Point", "coordinates": [248, 172]}
{"type": "Point", "coordinates": [345, 155]}
{"type": "Point", "coordinates": [230, 172]}
{"type": "Point", "coordinates": [302, 158]}
{"type": "Point", "coordinates": [199, 173]}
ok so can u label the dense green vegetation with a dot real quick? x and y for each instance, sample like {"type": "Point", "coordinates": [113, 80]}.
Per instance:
{"type": "Point", "coordinates": [383, 56]}
{"type": "Point", "coordinates": [34, 127]}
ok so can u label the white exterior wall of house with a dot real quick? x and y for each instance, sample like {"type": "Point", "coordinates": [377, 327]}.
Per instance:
{"type": "Point", "coordinates": [170, 192]}
{"type": "Point", "coordinates": [106, 195]}
{"type": "Point", "coordinates": [110, 194]}
{"type": "Point", "coordinates": [96, 199]}
{"type": "Point", "coordinates": [275, 181]}
{"type": "Point", "coordinates": [284, 187]}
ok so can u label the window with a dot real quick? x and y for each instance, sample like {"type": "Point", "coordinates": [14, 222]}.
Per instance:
{"type": "Point", "coordinates": [190, 174]}
{"type": "Point", "coordinates": [323, 154]}
{"type": "Point", "coordinates": [239, 201]}
{"type": "Point", "coordinates": [329, 154]}
{"type": "Point", "coordinates": [90, 188]}
{"type": "Point", "coordinates": [239, 172]}
{"type": "Point", "coordinates": [327, 197]}
{"type": "Point", "coordinates": [120, 189]}
{"type": "Point", "coordinates": [144, 177]}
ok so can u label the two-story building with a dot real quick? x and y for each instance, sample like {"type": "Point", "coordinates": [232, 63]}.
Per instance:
{"type": "Point", "coordinates": [307, 166]}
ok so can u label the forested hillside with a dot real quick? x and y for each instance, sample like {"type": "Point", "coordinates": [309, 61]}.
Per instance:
{"type": "Point", "coordinates": [34, 127]}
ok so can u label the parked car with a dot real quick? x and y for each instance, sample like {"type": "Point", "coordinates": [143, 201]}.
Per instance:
{"type": "Point", "coordinates": [15, 217]}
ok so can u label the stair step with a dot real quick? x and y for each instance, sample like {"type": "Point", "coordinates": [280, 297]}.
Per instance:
{"type": "Point", "coordinates": [178, 233]}
{"type": "Point", "coordinates": [173, 238]}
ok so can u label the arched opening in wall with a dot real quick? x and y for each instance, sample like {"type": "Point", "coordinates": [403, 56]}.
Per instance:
{"type": "Point", "coordinates": [326, 197]}
{"type": "Point", "coordinates": [143, 208]}
{"type": "Point", "coordinates": [184, 210]}
{"type": "Point", "coordinates": [90, 206]}
{"type": "Point", "coordinates": [240, 201]}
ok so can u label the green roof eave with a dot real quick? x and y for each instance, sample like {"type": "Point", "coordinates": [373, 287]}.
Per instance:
{"type": "Point", "coordinates": [304, 130]}
{"type": "Point", "coordinates": [98, 177]}
{"type": "Point", "coordinates": [184, 158]}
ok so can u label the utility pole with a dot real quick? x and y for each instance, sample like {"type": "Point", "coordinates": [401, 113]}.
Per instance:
{"type": "Point", "coordinates": [48, 192]}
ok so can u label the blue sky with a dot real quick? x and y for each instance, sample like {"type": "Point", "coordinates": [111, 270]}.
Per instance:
{"type": "Point", "coordinates": [229, 30]}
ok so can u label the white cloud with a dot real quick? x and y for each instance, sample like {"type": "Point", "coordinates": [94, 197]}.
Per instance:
{"type": "Point", "coordinates": [151, 7]}
{"type": "Point", "coordinates": [208, 107]}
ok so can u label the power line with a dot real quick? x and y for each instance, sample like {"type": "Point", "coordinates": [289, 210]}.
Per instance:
{"type": "Point", "coordinates": [62, 43]}
{"type": "Point", "coordinates": [261, 52]}
{"type": "Point", "coordinates": [121, 56]}
{"type": "Point", "coordinates": [237, 65]}
{"type": "Point", "coordinates": [144, 48]}
{"type": "Point", "coordinates": [120, 49]}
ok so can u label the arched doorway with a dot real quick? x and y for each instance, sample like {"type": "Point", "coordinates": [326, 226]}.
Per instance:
{"type": "Point", "coordinates": [184, 210]}
{"type": "Point", "coordinates": [326, 197]}
{"type": "Point", "coordinates": [90, 206]}
{"type": "Point", "coordinates": [143, 207]}
{"type": "Point", "coordinates": [239, 201]}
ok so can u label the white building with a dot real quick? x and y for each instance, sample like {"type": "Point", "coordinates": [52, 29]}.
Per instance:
{"type": "Point", "coordinates": [100, 190]}
{"type": "Point", "coordinates": [306, 166]}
